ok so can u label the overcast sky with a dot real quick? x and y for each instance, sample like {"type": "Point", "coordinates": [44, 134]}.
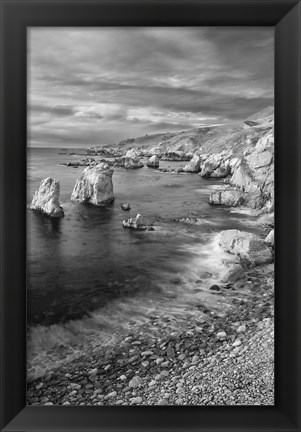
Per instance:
{"type": "Point", "coordinates": [100, 85]}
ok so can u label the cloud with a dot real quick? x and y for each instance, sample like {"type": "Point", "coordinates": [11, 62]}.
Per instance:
{"type": "Point", "coordinates": [110, 82]}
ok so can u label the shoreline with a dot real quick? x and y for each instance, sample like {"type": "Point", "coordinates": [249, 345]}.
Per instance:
{"type": "Point", "coordinates": [179, 367]}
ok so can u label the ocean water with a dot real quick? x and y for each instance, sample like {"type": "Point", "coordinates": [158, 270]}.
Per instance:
{"type": "Point", "coordinates": [89, 279]}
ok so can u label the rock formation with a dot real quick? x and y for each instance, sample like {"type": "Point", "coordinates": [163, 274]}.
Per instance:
{"type": "Point", "coordinates": [233, 272]}
{"type": "Point", "coordinates": [252, 181]}
{"type": "Point", "coordinates": [86, 161]}
{"type": "Point", "coordinates": [177, 156]}
{"type": "Point", "coordinates": [153, 162]}
{"type": "Point", "coordinates": [194, 165]}
{"type": "Point", "coordinates": [269, 240]}
{"type": "Point", "coordinates": [247, 246]}
{"type": "Point", "coordinates": [134, 223]}
{"type": "Point", "coordinates": [216, 165]}
{"type": "Point", "coordinates": [94, 186]}
{"type": "Point", "coordinates": [46, 198]}
{"type": "Point", "coordinates": [126, 206]}
{"type": "Point", "coordinates": [129, 161]}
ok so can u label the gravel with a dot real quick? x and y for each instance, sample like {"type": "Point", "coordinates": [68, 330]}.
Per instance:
{"type": "Point", "coordinates": [226, 359]}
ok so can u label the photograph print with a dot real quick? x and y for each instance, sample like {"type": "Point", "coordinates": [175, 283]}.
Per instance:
{"type": "Point", "coordinates": [150, 216]}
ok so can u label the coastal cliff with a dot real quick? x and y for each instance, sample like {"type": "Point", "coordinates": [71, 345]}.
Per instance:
{"type": "Point", "coordinates": [242, 153]}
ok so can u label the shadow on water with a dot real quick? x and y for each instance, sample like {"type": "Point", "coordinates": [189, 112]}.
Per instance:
{"type": "Point", "coordinates": [47, 225]}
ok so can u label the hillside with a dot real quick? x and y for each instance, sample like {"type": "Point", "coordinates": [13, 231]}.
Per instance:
{"type": "Point", "coordinates": [205, 140]}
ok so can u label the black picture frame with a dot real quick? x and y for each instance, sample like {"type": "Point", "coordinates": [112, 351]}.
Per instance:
{"type": "Point", "coordinates": [16, 16]}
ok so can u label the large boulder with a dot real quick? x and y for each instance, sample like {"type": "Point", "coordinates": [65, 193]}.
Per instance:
{"type": "Point", "coordinates": [128, 162]}
{"type": "Point", "coordinates": [132, 163]}
{"type": "Point", "coordinates": [194, 165]}
{"type": "Point", "coordinates": [227, 197]}
{"type": "Point", "coordinates": [46, 198]}
{"type": "Point", "coordinates": [232, 272]}
{"type": "Point", "coordinates": [246, 246]}
{"type": "Point", "coordinates": [94, 186]}
{"type": "Point", "coordinates": [153, 162]}
{"type": "Point", "coordinates": [132, 154]}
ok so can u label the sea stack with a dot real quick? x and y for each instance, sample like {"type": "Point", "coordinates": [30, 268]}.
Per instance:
{"type": "Point", "coordinates": [46, 198]}
{"type": "Point", "coordinates": [153, 162]}
{"type": "Point", "coordinates": [94, 186]}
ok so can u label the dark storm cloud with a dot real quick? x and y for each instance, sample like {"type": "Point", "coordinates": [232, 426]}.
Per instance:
{"type": "Point", "coordinates": [108, 84]}
{"type": "Point", "coordinates": [57, 110]}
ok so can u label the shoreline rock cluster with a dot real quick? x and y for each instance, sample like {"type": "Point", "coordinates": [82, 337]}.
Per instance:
{"type": "Point", "coordinates": [202, 361]}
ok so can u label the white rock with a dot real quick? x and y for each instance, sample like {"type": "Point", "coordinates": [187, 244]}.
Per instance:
{"type": "Point", "coordinates": [246, 245]}
{"type": "Point", "coordinates": [221, 335]}
{"type": "Point", "coordinates": [46, 198]}
{"type": "Point", "coordinates": [132, 154]}
{"type": "Point", "coordinates": [270, 238]}
{"type": "Point", "coordinates": [134, 223]}
{"type": "Point", "coordinates": [94, 186]}
{"type": "Point", "coordinates": [232, 272]}
{"type": "Point", "coordinates": [153, 162]}
{"type": "Point", "coordinates": [194, 165]}
{"type": "Point", "coordinates": [242, 328]}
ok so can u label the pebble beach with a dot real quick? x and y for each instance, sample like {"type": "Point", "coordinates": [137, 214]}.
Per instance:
{"type": "Point", "coordinates": [225, 359]}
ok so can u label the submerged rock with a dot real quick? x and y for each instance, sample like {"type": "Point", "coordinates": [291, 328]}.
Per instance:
{"type": "Point", "coordinates": [126, 206]}
{"type": "Point", "coordinates": [46, 198]}
{"type": "Point", "coordinates": [153, 162]}
{"type": "Point", "coordinates": [94, 186]}
{"type": "Point", "coordinates": [246, 246]}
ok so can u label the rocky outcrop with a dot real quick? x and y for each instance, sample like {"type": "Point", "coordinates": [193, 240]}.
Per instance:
{"type": "Point", "coordinates": [132, 154]}
{"type": "Point", "coordinates": [194, 165]}
{"type": "Point", "coordinates": [105, 151]}
{"type": "Point", "coordinates": [172, 170]}
{"type": "Point", "coordinates": [232, 272]}
{"type": "Point", "coordinates": [231, 197]}
{"type": "Point", "coordinates": [153, 162]}
{"type": "Point", "coordinates": [269, 240]}
{"type": "Point", "coordinates": [46, 198]}
{"type": "Point", "coordinates": [134, 223]}
{"type": "Point", "coordinates": [132, 163]}
{"type": "Point", "coordinates": [94, 186]}
{"type": "Point", "coordinates": [129, 161]}
{"type": "Point", "coordinates": [86, 161]}
{"type": "Point", "coordinates": [216, 165]}
{"type": "Point", "coordinates": [252, 180]}
{"type": "Point", "coordinates": [247, 246]}
{"type": "Point", "coordinates": [177, 156]}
